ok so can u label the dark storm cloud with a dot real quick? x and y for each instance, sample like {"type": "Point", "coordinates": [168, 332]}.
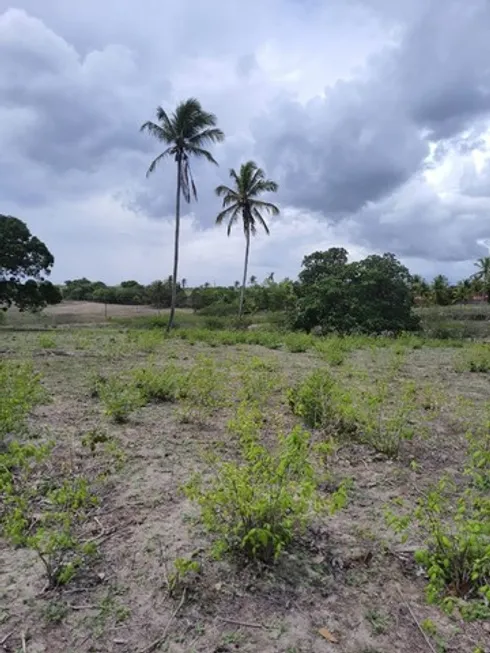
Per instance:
{"type": "Point", "coordinates": [365, 138]}
{"type": "Point", "coordinates": [79, 113]}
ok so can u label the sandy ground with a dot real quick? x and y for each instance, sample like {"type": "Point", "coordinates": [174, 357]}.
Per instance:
{"type": "Point", "coordinates": [348, 575]}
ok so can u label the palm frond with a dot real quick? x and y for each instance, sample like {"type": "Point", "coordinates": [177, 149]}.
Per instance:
{"type": "Point", "coordinates": [211, 135]}
{"type": "Point", "coordinates": [224, 190]}
{"type": "Point", "coordinates": [153, 129]}
{"type": "Point", "coordinates": [199, 152]}
{"type": "Point", "coordinates": [156, 161]}
{"type": "Point", "coordinates": [260, 219]}
{"type": "Point", "coordinates": [270, 208]}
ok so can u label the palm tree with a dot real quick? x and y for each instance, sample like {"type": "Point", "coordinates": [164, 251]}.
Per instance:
{"type": "Point", "coordinates": [186, 132]}
{"type": "Point", "coordinates": [483, 274]}
{"type": "Point", "coordinates": [242, 202]}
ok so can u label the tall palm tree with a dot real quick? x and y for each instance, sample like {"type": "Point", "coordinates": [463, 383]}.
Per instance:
{"type": "Point", "coordinates": [242, 202]}
{"type": "Point", "coordinates": [186, 132]}
{"type": "Point", "coordinates": [483, 274]}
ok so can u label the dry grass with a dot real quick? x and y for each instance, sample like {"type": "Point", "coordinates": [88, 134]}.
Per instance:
{"type": "Point", "coordinates": [346, 576]}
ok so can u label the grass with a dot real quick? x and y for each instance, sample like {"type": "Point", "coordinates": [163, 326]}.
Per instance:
{"type": "Point", "coordinates": [113, 423]}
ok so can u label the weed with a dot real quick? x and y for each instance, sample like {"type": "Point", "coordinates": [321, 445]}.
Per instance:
{"type": "Point", "coordinates": [184, 575]}
{"type": "Point", "coordinates": [311, 399]}
{"type": "Point", "coordinates": [55, 611]}
{"type": "Point", "coordinates": [257, 507]}
{"type": "Point", "coordinates": [205, 390]}
{"type": "Point", "coordinates": [456, 555]}
{"type": "Point", "coordinates": [20, 390]}
{"type": "Point", "coordinates": [379, 621]}
{"type": "Point", "coordinates": [52, 533]}
{"type": "Point", "coordinates": [475, 358]}
{"type": "Point", "coordinates": [160, 385]}
{"type": "Point", "coordinates": [120, 398]}
{"type": "Point", "coordinates": [46, 341]}
{"type": "Point", "coordinates": [478, 456]}
{"type": "Point", "coordinates": [258, 379]}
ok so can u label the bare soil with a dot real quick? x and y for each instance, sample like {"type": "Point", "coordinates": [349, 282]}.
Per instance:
{"type": "Point", "coordinates": [348, 586]}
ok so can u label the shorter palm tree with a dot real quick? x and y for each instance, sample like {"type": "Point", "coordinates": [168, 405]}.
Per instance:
{"type": "Point", "coordinates": [242, 202]}
{"type": "Point", "coordinates": [483, 274]}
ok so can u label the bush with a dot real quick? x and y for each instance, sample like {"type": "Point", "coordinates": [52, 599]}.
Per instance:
{"type": "Point", "coordinates": [475, 358]}
{"type": "Point", "coordinates": [368, 296]}
{"type": "Point", "coordinates": [205, 390]}
{"type": "Point", "coordinates": [159, 385]}
{"type": "Point", "coordinates": [20, 390]}
{"type": "Point", "coordinates": [311, 399]}
{"type": "Point", "coordinates": [45, 517]}
{"type": "Point", "coordinates": [258, 506]}
{"type": "Point", "coordinates": [456, 554]}
{"type": "Point", "coordinates": [119, 398]}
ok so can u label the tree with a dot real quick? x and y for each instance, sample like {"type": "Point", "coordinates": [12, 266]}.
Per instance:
{"type": "Point", "coordinates": [25, 261]}
{"type": "Point", "coordinates": [441, 290]}
{"type": "Point", "coordinates": [483, 274]}
{"type": "Point", "coordinates": [371, 296]}
{"type": "Point", "coordinates": [242, 202]}
{"type": "Point", "coordinates": [186, 132]}
{"type": "Point", "coordinates": [463, 291]}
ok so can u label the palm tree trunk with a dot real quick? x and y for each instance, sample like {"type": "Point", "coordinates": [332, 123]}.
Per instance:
{"type": "Point", "coordinates": [176, 248]}
{"type": "Point", "coordinates": [245, 269]}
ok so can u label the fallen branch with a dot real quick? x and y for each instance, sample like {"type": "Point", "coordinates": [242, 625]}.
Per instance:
{"type": "Point", "coordinates": [416, 621]}
{"type": "Point", "coordinates": [246, 624]}
{"type": "Point", "coordinates": [158, 642]}
{"type": "Point", "coordinates": [4, 639]}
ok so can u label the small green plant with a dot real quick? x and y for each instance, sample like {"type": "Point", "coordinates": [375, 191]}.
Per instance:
{"type": "Point", "coordinates": [53, 533]}
{"type": "Point", "coordinates": [456, 555]}
{"type": "Point", "coordinates": [258, 380]}
{"type": "Point", "coordinates": [478, 456]}
{"type": "Point", "coordinates": [20, 391]}
{"type": "Point", "coordinates": [184, 575]}
{"type": "Point", "coordinates": [380, 622]}
{"type": "Point", "coordinates": [311, 399]}
{"type": "Point", "coordinates": [161, 384]}
{"type": "Point", "coordinates": [205, 390]}
{"type": "Point", "coordinates": [258, 506]}
{"type": "Point", "coordinates": [46, 341]}
{"type": "Point", "coordinates": [474, 358]}
{"type": "Point", "coordinates": [298, 343]}
{"type": "Point", "coordinates": [120, 398]}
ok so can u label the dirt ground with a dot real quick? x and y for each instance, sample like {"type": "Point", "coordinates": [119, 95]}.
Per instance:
{"type": "Point", "coordinates": [348, 586]}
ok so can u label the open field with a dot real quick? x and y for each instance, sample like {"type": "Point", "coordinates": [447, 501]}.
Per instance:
{"type": "Point", "coordinates": [346, 583]}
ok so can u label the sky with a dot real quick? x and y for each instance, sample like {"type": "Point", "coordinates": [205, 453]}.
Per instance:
{"type": "Point", "coordinates": [372, 115]}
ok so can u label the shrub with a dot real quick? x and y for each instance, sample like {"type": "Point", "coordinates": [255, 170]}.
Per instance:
{"type": "Point", "coordinates": [46, 341]}
{"type": "Point", "coordinates": [205, 389]}
{"type": "Point", "coordinates": [258, 506]}
{"type": "Point", "coordinates": [475, 358]}
{"type": "Point", "coordinates": [456, 553]}
{"type": "Point", "coordinates": [119, 398]}
{"type": "Point", "coordinates": [20, 390]}
{"type": "Point", "coordinates": [159, 385]}
{"type": "Point", "coordinates": [258, 379]}
{"type": "Point", "coordinates": [45, 517]}
{"type": "Point", "coordinates": [311, 399]}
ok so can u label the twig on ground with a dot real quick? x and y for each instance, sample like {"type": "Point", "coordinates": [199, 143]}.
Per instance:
{"type": "Point", "coordinates": [23, 639]}
{"type": "Point", "coordinates": [246, 624]}
{"type": "Point", "coordinates": [83, 607]}
{"type": "Point", "coordinates": [421, 630]}
{"type": "Point", "coordinates": [158, 642]}
{"type": "Point", "coordinates": [4, 639]}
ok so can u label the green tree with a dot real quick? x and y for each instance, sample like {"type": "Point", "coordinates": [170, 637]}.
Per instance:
{"type": "Point", "coordinates": [25, 261]}
{"type": "Point", "coordinates": [463, 291]}
{"type": "Point", "coordinates": [420, 289]}
{"type": "Point", "coordinates": [186, 132]}
{"type": "Point", "coordinates": [483, 274]}
{"type": "Point", "coordinates": [371, 296]}
{"type": "Point", "coordinates": [242, 202]}
{"type": "Point", "coordinates": [441, 290]}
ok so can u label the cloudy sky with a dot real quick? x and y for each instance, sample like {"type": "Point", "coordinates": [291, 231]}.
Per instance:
{"type": "Point", "coordinates": [373, 116]}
